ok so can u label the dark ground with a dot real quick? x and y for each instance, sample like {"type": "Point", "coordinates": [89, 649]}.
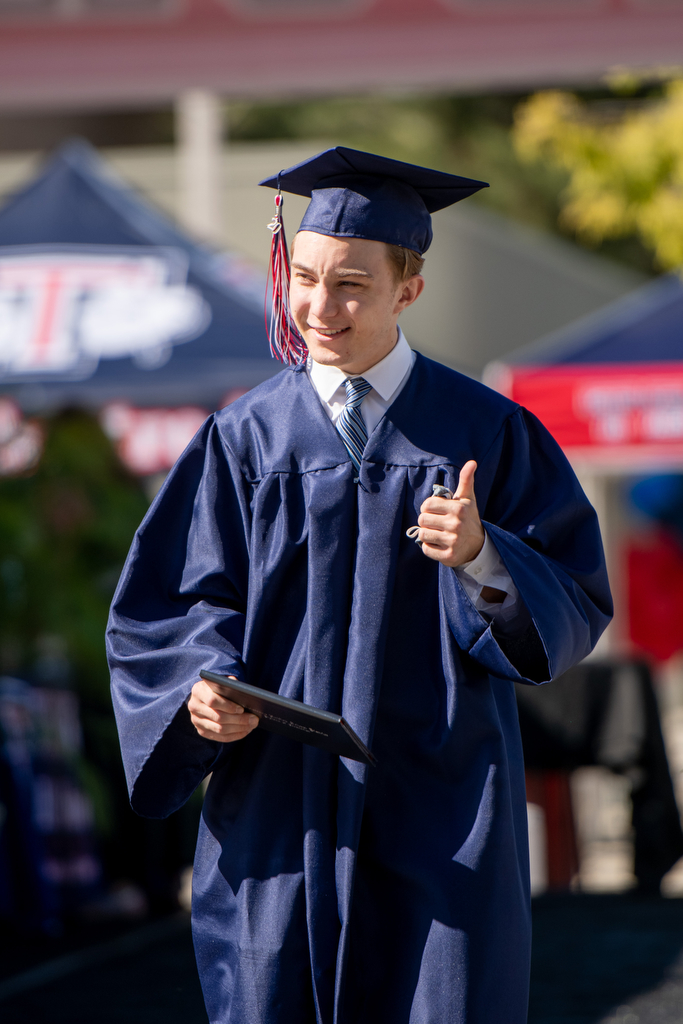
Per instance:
{"type": "Point", "coordinates": [597, 960]}
{"type": "Point", "coordinates": [607, 959]}
{"type": "Point", "coordinates": [142, 974]}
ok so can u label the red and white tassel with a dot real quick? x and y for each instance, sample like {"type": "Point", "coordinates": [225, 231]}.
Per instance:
{"type": "Point", "coordinates": [286, 343]}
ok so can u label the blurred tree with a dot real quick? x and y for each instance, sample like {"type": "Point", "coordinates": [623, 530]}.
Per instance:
{"type": "Point", "coordinates": [65, 531]}
{"type": "Point", "coordinates": [624, 164]}
{"type": "Point", "coordinates": [64, 534]}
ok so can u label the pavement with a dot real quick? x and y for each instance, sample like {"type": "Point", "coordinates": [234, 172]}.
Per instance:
{"type": "Point", "coordinates": [142, 974]}
{"type": "Point", "coordinates": [596, 960]}
{"type": "Point", "coordinates": [607, 960]}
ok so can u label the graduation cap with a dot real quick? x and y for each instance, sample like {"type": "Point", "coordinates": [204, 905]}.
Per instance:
{"type": "Point", "coordinates": [355, 195]}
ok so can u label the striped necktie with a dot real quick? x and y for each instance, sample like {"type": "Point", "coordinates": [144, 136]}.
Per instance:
{"type": "Point", "coordinates": [351, 424]}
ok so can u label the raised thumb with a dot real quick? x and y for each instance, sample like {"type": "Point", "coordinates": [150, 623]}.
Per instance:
{"type": "Point", "coordinates": [466, 481]}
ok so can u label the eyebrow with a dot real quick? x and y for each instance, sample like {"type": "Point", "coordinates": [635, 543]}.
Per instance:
{"type": "Point", "coordinates": [344, 272]}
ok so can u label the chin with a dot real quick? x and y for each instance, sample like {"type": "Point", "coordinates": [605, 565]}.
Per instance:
{"type": "Point", "coordinates": [325, 356]}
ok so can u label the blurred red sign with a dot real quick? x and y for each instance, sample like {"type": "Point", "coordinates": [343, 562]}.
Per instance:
{"type": "Point", "coordinates": [21, 441]}
{"type": "Point", "coordinates": [90, 52]}
{"type": "Point", "coordinates": [600, 411]}
{"type": "Point", "coordinates": [655, 594]}
{"type": "Point", "coordinates": [150, 440]}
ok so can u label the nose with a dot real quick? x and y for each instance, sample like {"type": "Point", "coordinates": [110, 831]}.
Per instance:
{"type": "Point", "coordinates": [322, 304]}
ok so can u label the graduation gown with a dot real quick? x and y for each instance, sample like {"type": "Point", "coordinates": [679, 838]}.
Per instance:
{"type": "Point", "coordinates": [327, 892]}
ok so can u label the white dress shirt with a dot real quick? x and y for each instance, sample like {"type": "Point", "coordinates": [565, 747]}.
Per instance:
{"type": "Point", "coordinates": [388, 377]}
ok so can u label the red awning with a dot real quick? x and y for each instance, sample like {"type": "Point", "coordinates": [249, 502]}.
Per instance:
{"type": "Point", "coordinates": [96, 52]}
{"type": "Point", "coordinates": [608, 413]}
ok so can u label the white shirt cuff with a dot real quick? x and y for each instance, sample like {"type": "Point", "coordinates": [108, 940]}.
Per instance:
{"type": "Point", "coordinates": [487, 563]}
{"type": "Point", "coordinates": [488, 570]}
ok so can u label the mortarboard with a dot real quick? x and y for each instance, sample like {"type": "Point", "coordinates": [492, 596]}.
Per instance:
{"type": "Point", "coordinates": [360, 195]}
{"type": "Point", "coordinates": [355, 195]}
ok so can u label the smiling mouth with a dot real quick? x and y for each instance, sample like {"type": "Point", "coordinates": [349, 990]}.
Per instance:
{"type": "Point", "coordinates": [327, 332]}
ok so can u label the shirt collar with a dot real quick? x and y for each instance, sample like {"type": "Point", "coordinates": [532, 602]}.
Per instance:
{"type": "Point", "coordinates": [385, 376]}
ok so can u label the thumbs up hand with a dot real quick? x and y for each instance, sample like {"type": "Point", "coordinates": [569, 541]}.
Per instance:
{"type": "Point", "coordinates": [450, 528]}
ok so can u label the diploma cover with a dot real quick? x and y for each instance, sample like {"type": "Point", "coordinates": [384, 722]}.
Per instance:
{"type": "Point", "coordinates": [295, 719]}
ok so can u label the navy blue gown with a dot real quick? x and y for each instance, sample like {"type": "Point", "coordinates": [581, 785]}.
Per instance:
{"type": "Point", "coordinates": [326, 892]}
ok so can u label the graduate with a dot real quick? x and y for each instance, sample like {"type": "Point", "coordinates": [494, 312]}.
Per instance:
{"type": "Point", "coordinates": [282, 552]}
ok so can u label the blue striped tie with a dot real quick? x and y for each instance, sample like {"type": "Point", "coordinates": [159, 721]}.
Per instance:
{"type": "Point", "coordinates": [351, 424]}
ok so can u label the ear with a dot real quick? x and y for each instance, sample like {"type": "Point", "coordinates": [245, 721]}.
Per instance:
{"type": "Point", "coordinates": [409, 291]}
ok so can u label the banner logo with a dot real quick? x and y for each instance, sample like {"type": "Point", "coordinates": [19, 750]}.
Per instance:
{"type": "Point", "coordinates": [62, 311]}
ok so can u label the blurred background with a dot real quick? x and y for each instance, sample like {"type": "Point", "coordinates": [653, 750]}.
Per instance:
{"type": "Point", "coordinates": [133, 251]}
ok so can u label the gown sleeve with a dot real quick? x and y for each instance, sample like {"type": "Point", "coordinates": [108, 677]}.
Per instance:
{"type": "Point", "coordinates": [179, 607]}
{"type": "Point", "coordinates": [547, 534]}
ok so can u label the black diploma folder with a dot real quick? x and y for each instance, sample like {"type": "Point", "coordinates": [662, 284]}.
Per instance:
{"type": "Point", "coordinates": [292, 718]}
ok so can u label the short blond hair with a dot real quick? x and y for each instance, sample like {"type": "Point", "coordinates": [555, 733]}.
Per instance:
{"type": "Point", "coordinates": [405, 263]}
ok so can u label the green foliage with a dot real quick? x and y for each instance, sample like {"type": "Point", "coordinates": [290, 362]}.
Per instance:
{"type": "Point", "coordinates": [64, 534]}
{"type": "Point", "coordinates": [624, 164]}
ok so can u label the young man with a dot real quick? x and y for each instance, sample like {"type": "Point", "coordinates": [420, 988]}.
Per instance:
{"type": "Point", "coordinates": [327, 892]}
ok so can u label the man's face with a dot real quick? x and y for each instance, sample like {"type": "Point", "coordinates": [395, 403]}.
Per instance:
{"type": "Point", "coordinates": [346, 300]}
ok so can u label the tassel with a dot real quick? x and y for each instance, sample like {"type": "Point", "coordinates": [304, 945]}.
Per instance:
{"type": "Point", "coordinates": [286, 343]}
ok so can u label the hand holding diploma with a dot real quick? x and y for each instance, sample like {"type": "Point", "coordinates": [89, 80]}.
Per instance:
{"type": "Point", "coordinates": [217, 718]}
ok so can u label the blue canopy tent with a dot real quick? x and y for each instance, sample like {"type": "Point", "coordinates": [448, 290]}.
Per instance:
{"type": "Point", "coordinates": [103, 299]}
{"type": "Point", "coordinates": [610, 386]}
{"type": "Point", "coordinates": [643, 326]}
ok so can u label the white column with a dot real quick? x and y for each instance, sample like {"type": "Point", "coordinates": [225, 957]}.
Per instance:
{"type": "Point", "coordinates": [199, 138]}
